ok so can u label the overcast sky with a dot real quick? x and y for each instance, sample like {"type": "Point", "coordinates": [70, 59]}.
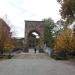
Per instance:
{"type": "Point", "coordinates": [16, 11]}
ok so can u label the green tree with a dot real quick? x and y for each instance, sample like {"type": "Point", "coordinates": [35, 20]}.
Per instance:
{"type": "Point", "coordinates": [60, 24]}
{"type": "Point", "coordinates": [49, 26]}
{"type": "Point", "coordinates": [67, 10]}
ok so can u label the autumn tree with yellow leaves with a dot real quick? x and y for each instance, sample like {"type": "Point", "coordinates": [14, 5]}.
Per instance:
{"type": "Point", "coordinates": [65, 41]}
{"type": "Point", "coordinates": [73, 39]}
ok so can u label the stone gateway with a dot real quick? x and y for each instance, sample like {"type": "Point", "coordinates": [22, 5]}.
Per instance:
{"type": "Point", "coordinates": [34, 26]}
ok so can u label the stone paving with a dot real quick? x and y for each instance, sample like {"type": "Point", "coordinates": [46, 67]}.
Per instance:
{"type": "Point", "coordinates": [31, 56]}
{"type": "Point", "coordinates": [35, 64]}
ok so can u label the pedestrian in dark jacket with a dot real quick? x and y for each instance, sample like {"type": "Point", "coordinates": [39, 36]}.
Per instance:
{"type": "Point", "coordinates": [35, 50]}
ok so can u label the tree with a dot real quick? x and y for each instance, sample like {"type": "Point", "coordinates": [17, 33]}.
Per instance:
{"type": "Point", "coordinates": [60, 24]}
{"type": "Point", "coordinates": [73, 43]}
{"type": "Point", "coordinates": [73, 39]}
{"type": "Point", "coordinates": [64, 40]}
{"type": "Point", "coordinates": [67, 10]}
{"type": "Point", "coordinates": [49, 25]}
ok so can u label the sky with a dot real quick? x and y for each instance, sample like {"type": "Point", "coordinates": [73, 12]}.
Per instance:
{"type": "Point", "coordinates": [15, 12]}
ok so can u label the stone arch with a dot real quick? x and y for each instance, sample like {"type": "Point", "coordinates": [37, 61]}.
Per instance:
{"type": "Point", "coordinates": [32, 40]}
{"type": "Point", "coordinates": [34, 31]}
{"type": "Point", "coordinates": [36, 26]}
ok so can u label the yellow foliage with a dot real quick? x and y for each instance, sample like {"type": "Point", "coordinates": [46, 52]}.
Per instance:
{"type": "Point", "coordinates": [65, 41]}
{"type": "Point", "coordinates": [9, 44]}
{"type": "Point", "coordinates": [73, 42]}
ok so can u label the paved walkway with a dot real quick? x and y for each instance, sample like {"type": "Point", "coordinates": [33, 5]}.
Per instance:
{"type": "Point", "coordinates": [31, 55]}
{"type": "Point", "coordinates": [35, 64]}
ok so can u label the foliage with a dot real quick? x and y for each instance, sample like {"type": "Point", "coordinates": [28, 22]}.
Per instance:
{"type": "Point", "coordinates": [67, 10]}
{"type": "Point", "coordinates": [14, 42]}
{"type": "Point", "coordinates": [60, 24]}
{"type": "Point", "coordinates": [64, 40]}
{"type": "Point", "coordinates": [9, 46]}
{"type": "Point", "coordinates": [18, 43]}
{"type": "Point", "coordinates": [49, 25]}
{"type": "Point", "coordinates": [73, 39]}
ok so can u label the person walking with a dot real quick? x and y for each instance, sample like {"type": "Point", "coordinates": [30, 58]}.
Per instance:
{"type": "Point", "coordinates": [35, 50]}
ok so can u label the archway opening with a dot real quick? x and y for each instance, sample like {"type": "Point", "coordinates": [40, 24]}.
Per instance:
{"type": "Point", "coordinates": [33, 39]}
